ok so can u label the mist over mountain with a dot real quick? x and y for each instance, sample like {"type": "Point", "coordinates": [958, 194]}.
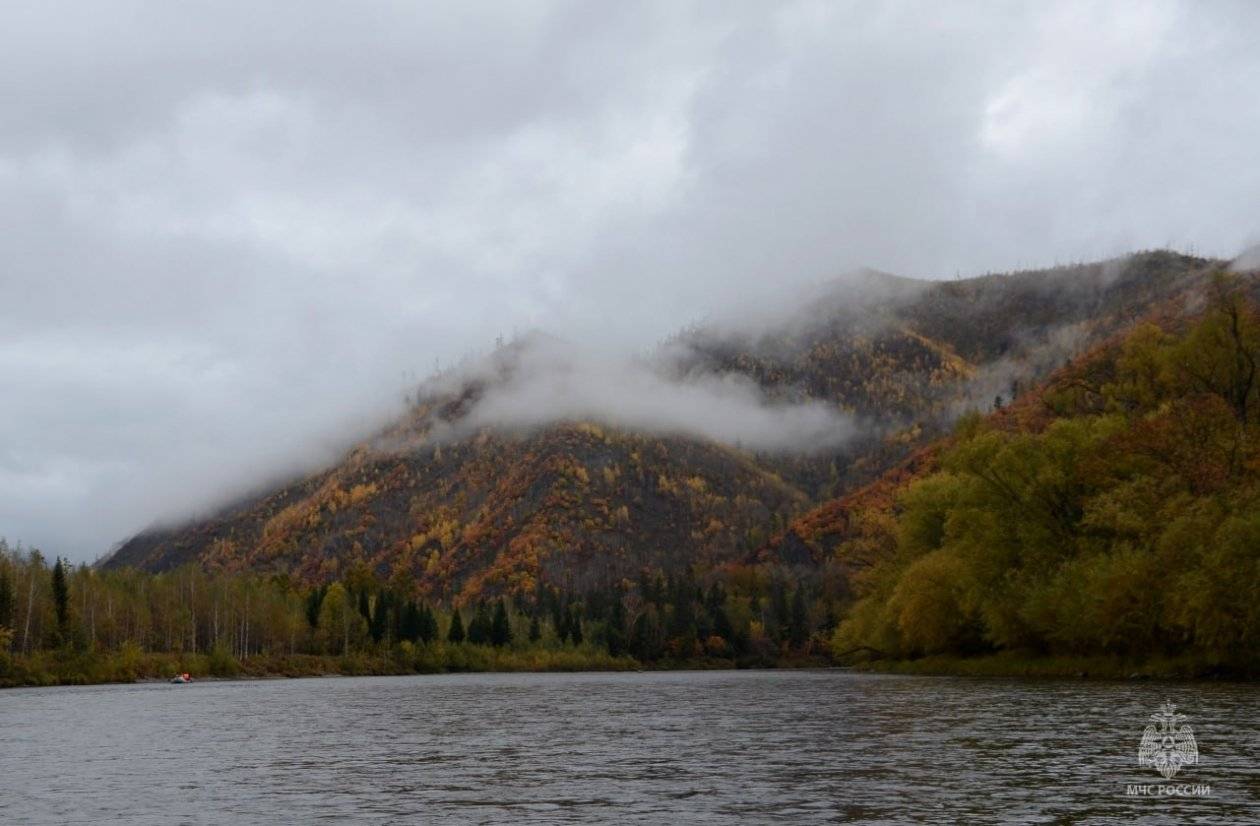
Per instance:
{"type": "Point", "coordinates": [543, 462]}
{"type": "Point", "coordinates": [538, 380]}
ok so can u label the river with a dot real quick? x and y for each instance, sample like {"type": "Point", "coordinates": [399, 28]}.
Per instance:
{"type": "Point", "coordinates": [656, 747]}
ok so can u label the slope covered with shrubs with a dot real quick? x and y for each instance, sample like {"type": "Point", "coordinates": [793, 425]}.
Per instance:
{"type": "Point", "coordinates": [1114, 512]}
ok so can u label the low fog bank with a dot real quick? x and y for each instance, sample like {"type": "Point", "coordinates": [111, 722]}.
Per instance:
{"type": "Point", "coordinates": [168, 496]}
{"type": "Point", "coordinates": [538, 381]}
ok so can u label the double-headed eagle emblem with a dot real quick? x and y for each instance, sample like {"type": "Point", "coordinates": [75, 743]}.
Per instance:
{"type": "Point", "coordinates": [1166, 745]}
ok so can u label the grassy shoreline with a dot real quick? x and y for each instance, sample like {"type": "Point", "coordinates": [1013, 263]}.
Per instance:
{"type": "Point", "coordinates": [53, 668]}
{"type": "Point", "coordinates": [71, 668]}
{"type": "Point", "coordinates": [1013, 665]}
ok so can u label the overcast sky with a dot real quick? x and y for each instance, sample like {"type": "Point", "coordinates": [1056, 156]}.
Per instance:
{"type": "Point", "coordinates": [233, 232]}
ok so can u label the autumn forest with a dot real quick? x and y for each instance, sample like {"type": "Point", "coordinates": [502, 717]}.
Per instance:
{"type": "Point", "coordinates": [1055, 470]}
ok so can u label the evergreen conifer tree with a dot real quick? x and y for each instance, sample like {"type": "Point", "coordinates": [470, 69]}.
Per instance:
{"type": "Point", "coordinates": [479, 628]}
{"type": "Point", "coordinates": [559, 618]}
{"type": "Point", "coordinates": [535, 629]}
{"type": "Point", "coordinates": [615, 636]}
{"type": "Point", "coordinates": [379, 622]}
{"type": "Point", "coordinates": [798, 623]}
{"type": "Point", "coordinates": [780, 610]}
{"type": "Point", "coordinates": [645, 636]}
{"type": "Point", "coordinates": [61, 595]}
{"type": "Point", "coordinates": [7, 599]}
{"type": "Point", "coordinates": [428, 624]}
{"type": "Point", "coordinates": [410, 623]}
{"type": "Point", "coordinates": [562, 626]}
{"type": "Point", "coordinates": [682, 619]}
{"type": "Point", "coordinates": [500, 626]}
{"type": "Point", "coordinates": [313, 601]}
{"type": "Point", "coordinates": [456, 634]}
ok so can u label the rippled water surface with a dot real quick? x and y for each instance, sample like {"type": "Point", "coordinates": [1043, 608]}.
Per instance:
{"type": "Point", "coordinates": [789, 746]}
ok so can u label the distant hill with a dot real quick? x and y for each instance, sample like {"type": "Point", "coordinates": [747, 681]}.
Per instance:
{"type": "Point", "coordinates": [464, 508]}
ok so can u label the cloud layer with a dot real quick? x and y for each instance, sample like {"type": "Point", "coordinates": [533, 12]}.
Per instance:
{"type": "Point", "coordinates": [541, 380]}
{"type": "Point", "coordinates": [235, 232]}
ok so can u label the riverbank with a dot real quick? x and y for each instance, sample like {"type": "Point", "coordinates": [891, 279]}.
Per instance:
{"type": "Point", "coordinates": [1043, 667]}
{"type": "Point", "coordinates": [50, 668]}
{"type": "Point", "coordinates": [76, 668]}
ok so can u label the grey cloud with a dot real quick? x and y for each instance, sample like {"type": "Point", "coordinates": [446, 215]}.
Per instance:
{"type": "Point", "coordinates": [539, 380]}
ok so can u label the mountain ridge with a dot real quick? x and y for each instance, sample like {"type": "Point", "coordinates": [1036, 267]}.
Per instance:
{"type": "Point", "coordinates": [582, 504]}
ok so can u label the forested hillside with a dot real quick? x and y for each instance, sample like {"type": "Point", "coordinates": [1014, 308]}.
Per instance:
{"type": "Point", "coordinates": [1116, 511]}
{"type": "Point", "coordinates": [1103, 506]}
{"type": "Point", "coordinates": [582, 505]}
{"type": "Point", "coordinates": [578, 506]}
